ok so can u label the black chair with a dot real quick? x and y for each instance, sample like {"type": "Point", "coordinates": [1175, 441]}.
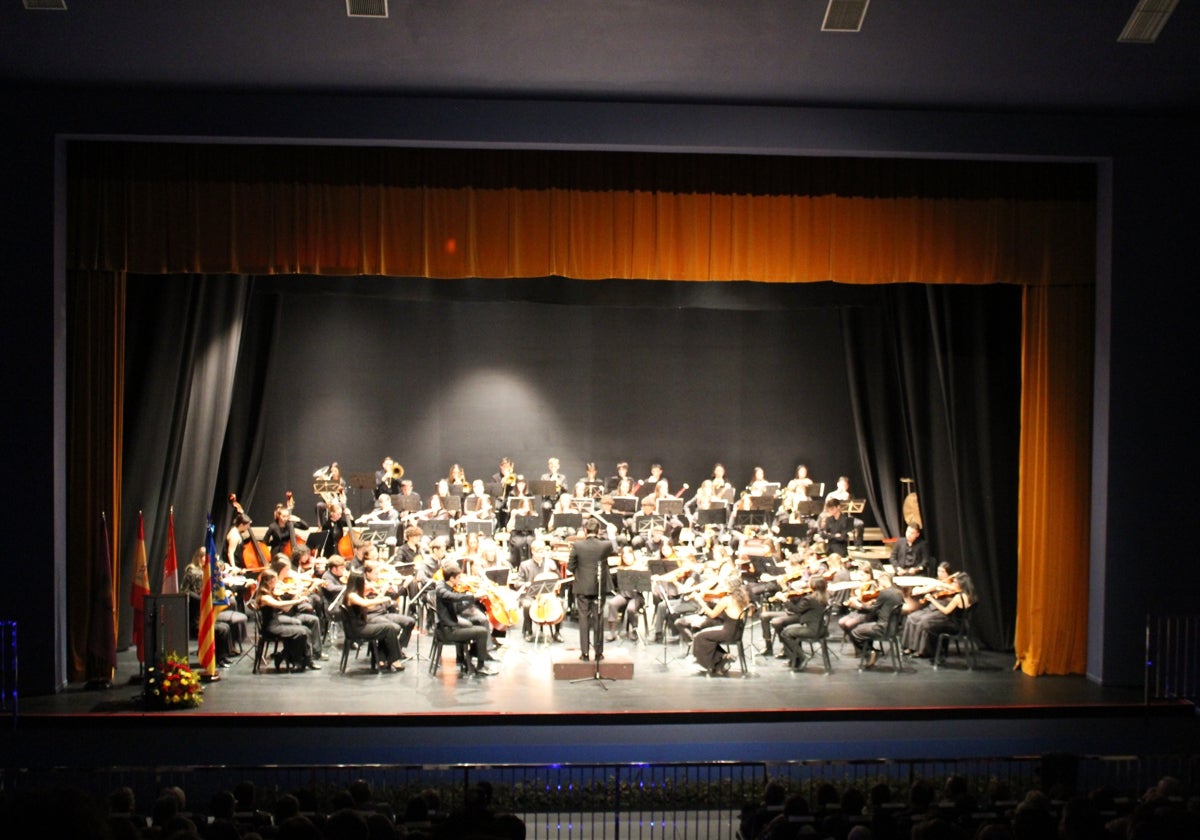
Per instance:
{"type": "Point", "coordinates": [440, 640]}
{"type": "Point", "coordinates": [737, 639]}
{"type": "Point", "coordinates": [822, 639]}
{"type": "Point", "coordinates": [963, 641]}
{"type": "Point", "coordinates": [887, 645]}
{"type": "Point", "coordinates": [352, 640]}
{"type": "Point", "coordinates": [262, 638]}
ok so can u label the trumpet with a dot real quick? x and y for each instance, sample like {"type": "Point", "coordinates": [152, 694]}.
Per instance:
{"type": "Point", "coordinates": [397, 471]}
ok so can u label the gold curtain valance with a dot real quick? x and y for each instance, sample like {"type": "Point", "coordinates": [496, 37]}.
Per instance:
{"type": "Point", "coordinates": [177, 208]}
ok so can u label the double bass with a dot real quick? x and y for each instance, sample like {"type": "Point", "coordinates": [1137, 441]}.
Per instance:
{"type": "Point", "coordinates": [255, 555]}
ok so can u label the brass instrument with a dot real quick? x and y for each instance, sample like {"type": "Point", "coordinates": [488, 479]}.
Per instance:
{"type": "Point", "coordinates": [397, 471]}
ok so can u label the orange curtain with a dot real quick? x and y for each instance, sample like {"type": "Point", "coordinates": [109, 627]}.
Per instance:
{"type": "Point", "coordinates": [209, 209]}
{"type": "Point", "coordinates": [1055, 481]}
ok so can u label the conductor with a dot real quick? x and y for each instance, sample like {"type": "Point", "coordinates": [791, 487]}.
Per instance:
{"type": "Point", "coordinates": [588, 562]}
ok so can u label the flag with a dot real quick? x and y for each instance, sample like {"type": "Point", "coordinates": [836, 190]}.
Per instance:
{"type": "Point", "coordinates": [102, 632]}
{"type": "Point", "coordinates": [170, 580]}
{"type": "Point", "coordinates": [213, 599]}
{"type": "Point", "coordinates": [139, 589]}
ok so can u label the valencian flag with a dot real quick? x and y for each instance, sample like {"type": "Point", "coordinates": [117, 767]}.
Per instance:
{"type": "Point", "coordinates": [170, 579]}
{"type": "Point", "coordinates": [213, 599]}
{"type": "Point", "coordinates": [102, 632]}
{"type": "Point", "coordinates": [139, 589]}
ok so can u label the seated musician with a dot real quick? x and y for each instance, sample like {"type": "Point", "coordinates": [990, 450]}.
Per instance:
{"type": "Point", "coordinates": [339, 524]}
{"type": "Point", "coordinates": [333, 579]}
{"type": "Point", "coordinates": [915, 597]}
{"type": "Point", "coordinates": [300, 631]}
{"type": "Point", "coordinates": [942, 613]}
{"type": "Point", "coordinates": [387, 479]}
{"type": "Point", "coordinates": [721, 488]}
{"type": "Point", "coordinates": [234, 620]}
{"type": "Point", "coordinates": [671, 590]}
{"type": "Point", "coordinates": [860, 600]}
{"type": "Point", "coordinates": [623, 606]}
{"type": "Point", "coordinates": [520, 504]}
{"type": "Point", "coordinates": [910, 554]}
{"type": "Point", "coordinates": [335, 491]}
{"type": "Point", "coordinates": [478, 505]}
{"type": "Point", "coordinates": [593, 485]}
{"type": "Point", "coordinates": [366, 612]}
{"type": "Point", "coordinates": [614, 482]}
{"type": "Point", "coordinates": [478, 554]}
{"type": "Point", "coordinates": [721, 617]}
{"type": "Point", "coordinates": [383, 512]}
{"type": "Point", "coordinates": [842, 494]}
{"type": "Point", "coordinates": [650, 482]}
{"type": "Point", "coordinates": [809, 610]}
{"type": "Point", "coordinates": [410, 552]}
{"type": "Point", "coordinates": [613, 523]}
{"type": "Point", "coordinates": [797, 489]}
{"type": "Point", "coordinates": [539, 567]}
{"type": "Point", "coordinates": [456, 480]}
{"type": "Point", "coordinates": [407, 492]}
{"type": "Point", "coordinates": [553, 473]}
{"type": "Point", "coordinates": [833, 528]}
{"type": "Point", "coordinates": [312, 602]}
{"type": "Point", "coordinates": [880, 610]}
{"type": "Point", "coordinates": [458, 618]}
{"type": "Point", "coordinates": [382, 580]}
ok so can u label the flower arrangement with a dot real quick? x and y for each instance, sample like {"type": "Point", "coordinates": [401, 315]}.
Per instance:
{"type": "Point", "coordinates": [173, 684]}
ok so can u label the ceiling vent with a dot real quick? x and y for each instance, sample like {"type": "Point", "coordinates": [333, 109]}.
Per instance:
{"type": "Point", "coordinates": [366, 8]}
{"type": "Point", "coordinates": [1147, 20]}
{"type": "Point", "coordinates": [51, 5]}
{"type": "Point", "coordinates": [845, 15]}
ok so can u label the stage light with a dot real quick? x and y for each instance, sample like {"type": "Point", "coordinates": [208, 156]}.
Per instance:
{"type": "Point", "coordinates": [367, 8]}
{"type": "Point", "coordinates": [845, 15]}
{"type": "Point", "coordinates": [1147, 21]}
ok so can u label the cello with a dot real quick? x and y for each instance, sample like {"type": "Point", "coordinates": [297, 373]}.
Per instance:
{"type": "Point", "coordinates": [547, 607]}
{"type": "Point", "coordinates": [255, 554]}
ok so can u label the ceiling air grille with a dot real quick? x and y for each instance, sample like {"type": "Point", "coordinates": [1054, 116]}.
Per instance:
{"type": "Point", "coordinates": [845, 15]}
{"type": "Point", "coordinates": [1147, 20]}
{"type": "Point", "coordinates": [52, 5]}
{"type": "Point", "coordinates": [367, 8]}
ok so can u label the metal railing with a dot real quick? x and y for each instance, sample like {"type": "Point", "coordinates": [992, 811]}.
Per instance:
{"type": "Point", "coordinates": [1172, 657]}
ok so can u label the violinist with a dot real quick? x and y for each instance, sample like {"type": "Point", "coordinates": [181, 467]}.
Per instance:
{"type": "Point", "coordinates": [478, 505]}
{"type": "Point", "coordinates": [366, 614]}
{"type": "Point", "coordinates": [230, 622]}
{"type": "Point", "coordinates": [383, 513]}
{"type": "Point", "coordinates": [304, 572]}
{"type": "Point", "coordinates": [386, 589]}
{"type": "Point", "coordinates": [798, 487]}
{"type": "Point", "coordinates": [300, 638]}
{"type": "Point", "coordinates": [506, 480]}
{"type": "Point", "coordinates": [810, 612]}
{"type": "Point", "coordinates": [786, 604]}
{"type": "Point", "coordinates": [861, 601]}
{"type": "Point", "coordinates": [943, 614]}
{"type": "Point", "coordinates": [477, 554]}
{"type": "Point", "coordinates": [724, 614]}
{"type": "Point", "coordinates": [670, 589]}
{"type": "Point", "coordinates": [880, 611]}
{"type": "Point", "coordinates": [455, 604]}
{"type": "Point", "coordinates": [333, 578]}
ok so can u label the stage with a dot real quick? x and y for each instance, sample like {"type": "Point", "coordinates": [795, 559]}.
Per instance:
{"type": "Point", "coordinates": [668, 711]}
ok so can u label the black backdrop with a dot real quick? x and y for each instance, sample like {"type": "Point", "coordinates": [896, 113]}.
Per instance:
{"type": "Point", "coordinates": [872, 382]}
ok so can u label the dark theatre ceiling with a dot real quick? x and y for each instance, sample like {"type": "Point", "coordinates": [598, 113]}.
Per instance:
{"type": "Point", "coordinates": [1055, 55]}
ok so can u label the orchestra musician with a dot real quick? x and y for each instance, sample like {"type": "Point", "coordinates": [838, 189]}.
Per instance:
{"type": "Point", "coordinates": [477, 554]}
{"type": "Point", "coordinates": [647, 485]}
{"type": "Point", "coordinates": [478, 505]}
{"type": "Point", "coordinates": [842, 494]}
{"type": "Point", "coordinates": [880, 610]}
{"type": "Point", "coordinates": [455, 605]}
{"type": "Point", "coordinates": [593, 485]}
{"type": "Point", "coordinates": [281, 533]}
{"type": "Point", "coordinates": [410, 552]}
{"type": "Point", "coordinates": [670, 589]}
{"type": "Point", "coordinates": [943, 614]}
{"type": "Point", "coordinates": [506, 480]}
{"type": "Point", "coordinates": [230, 627]}
{"type": "Point", "coordinates": [383, 513]}
{"type": "Point", "coordinates": [335, 492]}
{"type": "Point", "coordinates": [279, 618]}
{"type": "Point", "coordinates": [910, 554]}
{"type": "Point", "coordinates": [235, 539]}
{"type": "Point", "coordinates": [387, 478]}
{"type": "Point", "coordinates": [810, 612]}
{"type": "Point", "coordinates": [539, 566]}
{"type": "Point", "coordinates": [457, 478]}
{"type": "Point", "coordinates": [338, 525]}
{"type": "Point", "coordinates": [333, 580]}
{"type": "Point", "coordinates": [407, 492]}
{"type": "Point", "coordinates": [623, 605]}
{"type": "Point", "coordinates": [797, 488]}
{"type": "Point", "coordinates": [833, 528]}
{"type": "Point", "coordinates": [366, 611]}
{"type": "Point", "coordinates": [588, 563]}
{"type": "Point", "coordinates": [721, 488]}
{"type": "Point", "coordinates": [613, 485]}
{"type": "Point", "coordinates": [726, 611]}
{"type": "Point", "coordinates": [520, 503]}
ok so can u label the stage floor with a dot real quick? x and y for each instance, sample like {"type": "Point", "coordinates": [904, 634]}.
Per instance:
{"type": "Point", "coordinates": [668, 711]}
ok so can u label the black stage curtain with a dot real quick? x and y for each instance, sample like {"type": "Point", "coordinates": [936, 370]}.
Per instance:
{"type": "Point", "coordinates": [936, 389]}
{"type": "Point", "coordinates": [860, 380]}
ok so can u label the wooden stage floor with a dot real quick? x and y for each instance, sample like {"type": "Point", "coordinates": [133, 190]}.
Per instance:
{"type": "Point", "coordinates": [668, 711]}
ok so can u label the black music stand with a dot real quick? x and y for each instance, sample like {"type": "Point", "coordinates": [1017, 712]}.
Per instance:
{"type": "Point", "coordinates": [793, 533]}
{"type": "Point", "coordinates": [635, 580]}
{"type": "Point", "coordinates": [718, 516]}
{"type": "Point", "coordinates": [746, 518]}
{"type": "Point", "coordinates": [407, 504]}
{"type": "Point", "coordinates": [669, 507]}
{"type": "Point", "coordinates": [572, 520]}
{"type": "Point", "coordinates": [483, 527]}
{"type": "Point", "coordinates": [316, 542]}
{"type": "Point", "coordinates": [378, 533]}
{"type": "Point", "coordinates": [452, 503]}
{"type": "Point", "coordinates": [524, 522]}
{"type": "Point", "coordinates": [647, 522]}
{"type": "Point", "coordinates": [810, 507]}
{"type": "Point", "coordinates": [434, 528]}
{"type": "Point", "coordinates": [537, 588]}
{"type": "Point", "coordinates": [625, 505]}
{"type": "Point", "coordinates": [593, 489]}
{"type": "Point", "coordinates": [421, 599]}
{"type": "Point", "coordinates": [543, 487]}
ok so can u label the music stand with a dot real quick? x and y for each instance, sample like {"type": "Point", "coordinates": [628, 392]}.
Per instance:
{"type": "Point", "coordinates": [643, 524]}
{"type": "Point", "coordinates": [562, 519]}
{"type": "Point", "coordinates": [593, 489]}
{"type": "Point", "coordinates": [712, 516]}
{"type": "Point", "coordinates": [583, 503]}
{"type": "Point", "coordinates": [483, 527]}
{"type": "Point", "coordinates": [543, 487]}
{"type": "Point", "coordinates": [763, 502]}
{"type": "Point", "coordinates": [745, 518]}
{"type": "Point", "coordinates": [854, 505]}
{"type": "Point", "coordinates": [625, 505]}
{"type": "Point", "coordinates": [793, 532]}
{"type": "Point", "coordinates": [408, 504]}
{"type": "Point", "coordinates": [669, 507]}
{"type": "Point", "coordinates": [434, 528]}
{"type": "Point", "coordinates": [810, 507]}
{"type": "Point", "coordinates": [316, 542]}
{"type": "Point", "coordinates": [452, 503]}
{"type": "Point", "coordinates": [525, 522]}
{"type": "Point", "coordinates": [498, 576]}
